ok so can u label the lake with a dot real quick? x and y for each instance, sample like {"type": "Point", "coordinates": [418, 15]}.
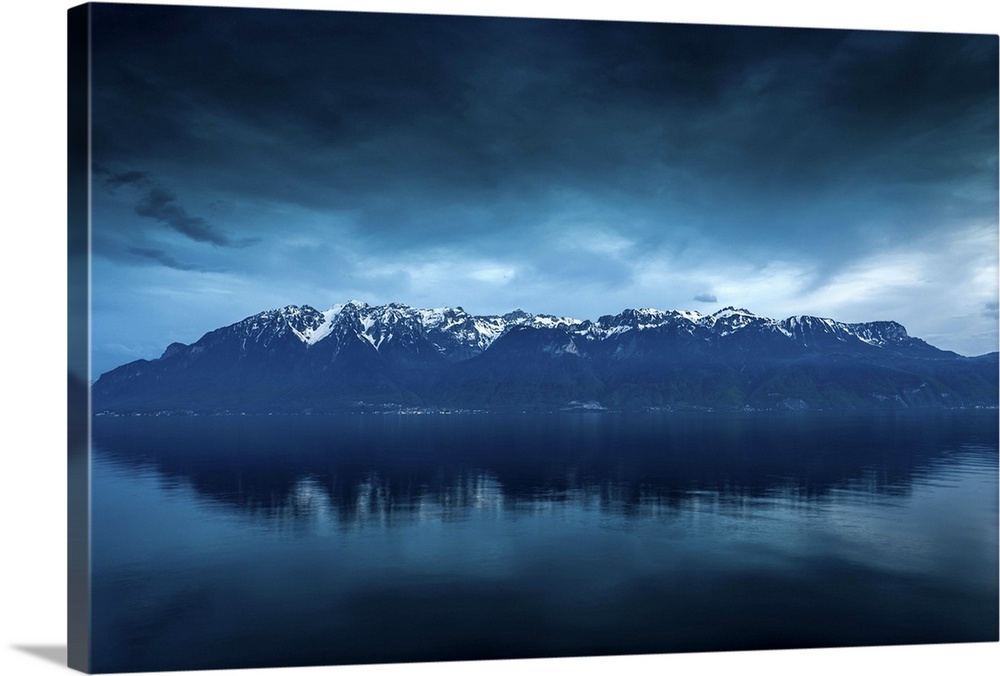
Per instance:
{"type": "Point", "coordinates": [242, 541]}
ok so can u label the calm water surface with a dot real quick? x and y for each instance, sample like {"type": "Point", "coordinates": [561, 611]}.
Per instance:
{"type": "Point", "coordinates": [265, 541]}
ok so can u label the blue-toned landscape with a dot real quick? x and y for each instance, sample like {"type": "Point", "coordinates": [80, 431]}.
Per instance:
{"type": "Point", "coordinates": [418, 337]}
{"type": "Point", "coordinates": [309, 487]}
{"type": "Point", "coordinates": [355, 357]}
{"type": "Point", "coordinates": [249, 541]}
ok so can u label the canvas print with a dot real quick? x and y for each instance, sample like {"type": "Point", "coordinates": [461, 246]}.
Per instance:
{"type": "Point", "coordinates": [405, 338]}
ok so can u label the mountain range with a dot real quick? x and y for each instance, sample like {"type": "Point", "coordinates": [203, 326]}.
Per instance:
{"type": "Point", "coordinates": [357, 356]}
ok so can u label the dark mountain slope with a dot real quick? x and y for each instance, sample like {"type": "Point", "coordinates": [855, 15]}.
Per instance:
{"type": "Point", "coordinates": [355, 356]}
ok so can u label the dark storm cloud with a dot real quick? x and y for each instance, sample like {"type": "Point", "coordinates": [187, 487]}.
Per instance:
{"type": "Point", "coordinates": [407, 120]}
{"type": "Point", "coordinates": [158, 203]}
{"type": "Point", "coordinates": [131, 178]}
{"type": "Point", "coordinates": [165, 259]}
{"type": "Point", "coordinates": [538, 154]}
{"type": "Point", "coordinates": [309, 79]}
{"type": "Point", "coordinates": [706, 298]}
{"type": "Point", "coordinates": [161, 205]}
{"type": "Point", "coordinates": [920, 78]}
{"type": "Point", "coordinates": [991, 310]}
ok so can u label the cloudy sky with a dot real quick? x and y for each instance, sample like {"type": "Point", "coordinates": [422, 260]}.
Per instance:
{"type": "Point", "coordinates": [250, 159]}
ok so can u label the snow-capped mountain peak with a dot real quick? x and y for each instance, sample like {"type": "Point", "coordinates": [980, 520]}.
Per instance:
{"type": "Point", "coordinates": [880, 333]}
{"type": "Point", "coordinates": [298, 357]}
{"type": "Point", "coordinates": [457, 334]}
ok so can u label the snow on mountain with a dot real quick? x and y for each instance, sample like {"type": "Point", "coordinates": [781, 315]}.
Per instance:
{"type": "Point", "coordinates": [266, 327]}
{"type": "Point", "coordinates": [446, 327]}
{"type": "Point", "coordinates": [457, 334]}
{"type": "Point", "coordinates": [880, 333]}
{"type": "Point", "coordinates": [729, 320]}
{"type": "Point", "coordinates": [354, 355]}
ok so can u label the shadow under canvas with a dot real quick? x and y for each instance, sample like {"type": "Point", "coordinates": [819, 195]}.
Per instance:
{"type": "Point", "coordinates": [50, 653]}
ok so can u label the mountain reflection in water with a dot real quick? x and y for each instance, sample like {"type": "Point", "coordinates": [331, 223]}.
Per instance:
{"type": "Point", "coordinates": [266, 541]}
{"type": "Point", "coordinates": [391, 469]}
